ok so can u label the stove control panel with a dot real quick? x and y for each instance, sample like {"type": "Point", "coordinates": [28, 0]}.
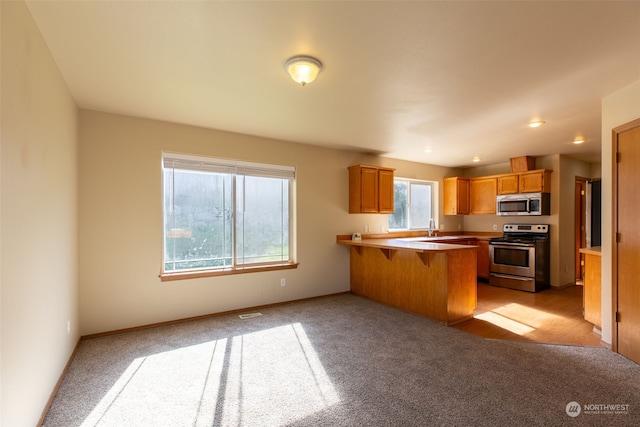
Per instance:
{"type": "Point", "coordinates": [526, 228]}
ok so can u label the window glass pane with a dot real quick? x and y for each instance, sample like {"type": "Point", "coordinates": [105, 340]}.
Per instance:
{"type": "Point", "coordinates": [262, 221]}
{"type": "Point", "coordinates": [420, 211]}
{"type": "Point", "coordinates": [399, 218]}
{"type": "Point", "coordinates": [198, 219]}
{"type": "Point", "coordinates": [221, 214]}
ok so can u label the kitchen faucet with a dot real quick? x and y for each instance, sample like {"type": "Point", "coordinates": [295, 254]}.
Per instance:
{"type": "Point", "coordinates": [432, 226]}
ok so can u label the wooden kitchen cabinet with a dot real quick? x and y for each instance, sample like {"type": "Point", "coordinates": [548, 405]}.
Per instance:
{"type": "Point", "coordinates": [370, 189]}
{"type": "Point", "coordinates": [477, 196]}
{"type": "Point", "coordinates": [385, 196]}
{"type": "Point", "coordinates": [592, 292]}
{"type": "Point", "coordinates": [437, 282]}
{"type": "Point", "coordinates": [538, 181]}
{"type": "Point", "coordinates": [483, 258]}
{"type": "Point", "coordinates": [508, 184]}
{"type": "Point", "coordinates": [482, 195]}
{"type": "Point", "coordinates": [456, 196]}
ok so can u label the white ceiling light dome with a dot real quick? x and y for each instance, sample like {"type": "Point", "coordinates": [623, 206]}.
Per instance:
{"type": "Point", "coordinates": [303, 69]}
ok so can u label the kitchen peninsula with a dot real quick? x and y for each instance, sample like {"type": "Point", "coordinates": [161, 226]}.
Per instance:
{"type": "Point", "coordinates": [436, 280]}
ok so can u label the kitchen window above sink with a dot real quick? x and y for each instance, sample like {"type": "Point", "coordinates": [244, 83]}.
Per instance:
{"type": "Point", "coordinates": [413, 205]}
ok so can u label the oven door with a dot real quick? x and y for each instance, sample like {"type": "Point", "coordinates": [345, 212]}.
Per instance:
{"type": "Point", "coordinates": [516, 259]}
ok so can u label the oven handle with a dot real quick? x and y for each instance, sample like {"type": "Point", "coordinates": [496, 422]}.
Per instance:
{"type": "Point", "coordinates": [505, 276]}
{"type": "Point", "coordinates": [510, 245]}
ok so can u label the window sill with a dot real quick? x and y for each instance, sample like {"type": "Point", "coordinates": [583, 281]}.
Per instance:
{"type": "Point", "coordinates": [194, 274]}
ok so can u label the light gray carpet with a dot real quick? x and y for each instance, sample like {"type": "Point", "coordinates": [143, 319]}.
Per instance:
{"type": "Point", "coordinates": [338, 361]}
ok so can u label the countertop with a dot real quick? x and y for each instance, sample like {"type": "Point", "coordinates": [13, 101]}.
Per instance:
{"type": "Point", "coordinates": [594, 250]}
{"type": "Point", "coordinates": [418, 244]}
{"type": "Point", "coordinates": [447, 237]}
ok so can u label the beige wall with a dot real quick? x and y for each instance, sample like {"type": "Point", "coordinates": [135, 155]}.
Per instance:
{"type": "Point", "coordinates": [121, 221]}
{"type": "Point", "coordinates": [38, 212]}
{"type": "Point", "coordinates": [617, 109]}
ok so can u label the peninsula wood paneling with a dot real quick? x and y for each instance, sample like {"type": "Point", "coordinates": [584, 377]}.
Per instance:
{"type": "Point", "coordinates": [439, 285]}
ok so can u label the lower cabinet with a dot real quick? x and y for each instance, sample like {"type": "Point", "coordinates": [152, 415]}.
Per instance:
{"type": "Point", "coordinates": [483, 253]}
{"type": "Point", "coordinates": [592, 292]}
{"type": "Point", "coordinates": [483, 258]}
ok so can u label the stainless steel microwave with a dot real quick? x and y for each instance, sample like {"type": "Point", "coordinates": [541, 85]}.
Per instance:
{"type": "Point", "coordinates": [523, 204]}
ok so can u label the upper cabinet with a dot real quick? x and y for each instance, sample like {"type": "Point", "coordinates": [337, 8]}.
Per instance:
{"type": "Point", "coordinates": [482, 195]}
{"type": "Point", "coordinates": [477, 196]}
{"type": "Point", "coordinates": [508, 184]}
{"type": "Point", "coordinates": [456, 196]}
{"type": "Point", "coordinates": [370, 189]}
{"type": "Point", "coordinates": [536, 181]}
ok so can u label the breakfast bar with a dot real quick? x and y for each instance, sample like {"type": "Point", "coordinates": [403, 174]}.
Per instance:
{"type": "Point", "coordinates": [436, 280]}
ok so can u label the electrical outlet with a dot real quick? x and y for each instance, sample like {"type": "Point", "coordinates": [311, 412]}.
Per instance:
{"type": "Point", "coordinates": [382, 228]}
{"type": "Point", "coordinates": [366, 228]}
{"type": "Point", "coordinates": [68, 327]}
{"type": "Point", "coordinates": [459, 226]}
{"type": "Point", "coordinates": [283, 282]}
{"type": "Point", "coordinates": [495, 227]}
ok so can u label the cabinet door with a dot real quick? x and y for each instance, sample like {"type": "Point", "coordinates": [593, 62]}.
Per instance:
{"type": "Point", "coordinates": [385, 193]}
{"type": "Point", "coordinates": [369, 190]}
{"type": "Point", "coordinates": [456, 196]}
{"type": "Point", "coordinates": [483, 258]}
{"type": "Point", "coordinates": [535, 182]}
{"type": "Point", "coordinates": [508, 184]}
{"type": "Point", "coordinates": [482, 196]}
{"type": "Point", "coordinates": [592, 289]}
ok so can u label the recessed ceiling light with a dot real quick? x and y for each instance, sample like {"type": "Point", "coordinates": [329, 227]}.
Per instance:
{"type": "Point", "coordinates": [476, 159]}
{"type": "Point", "coordinates": [578, 140]}
{"type": "Point", "coordinates": [536, 124]}
{"type": "Point", "coordinates": [428, 150]}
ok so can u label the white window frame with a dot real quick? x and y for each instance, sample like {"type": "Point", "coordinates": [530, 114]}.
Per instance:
{"type": "Point", "coordinates": [434, 203]}
{"type": "Point", "coordinates": [234, 168]}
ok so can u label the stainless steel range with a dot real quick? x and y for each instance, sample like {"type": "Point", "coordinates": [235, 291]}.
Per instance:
{"type": "Point", "coordinates": [520, 258]}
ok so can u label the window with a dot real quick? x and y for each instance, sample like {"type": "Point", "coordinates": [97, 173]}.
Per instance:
{"type": "Point", "coordinates": [413, 204]}
{"type": "Point", "coordinates": [223, 216]}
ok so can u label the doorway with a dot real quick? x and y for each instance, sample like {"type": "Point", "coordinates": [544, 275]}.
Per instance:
{"type": "Point", "coordinates": [580, 226]}
{"type": "Point", "coordinates": [626, 241]}
{"type": "Point", "coordinates": [588, 222]}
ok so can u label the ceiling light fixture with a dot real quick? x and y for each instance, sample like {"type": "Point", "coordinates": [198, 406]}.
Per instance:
{"type": "Point", "coordinates": [536, 124]}
{"type": "Point", "coordinates": [428, 150]}
{"type": "Point", "coordinates": [303, 69]}
{"type": "Point", "coordinates": [476, 159]}
{"type": "Point", "coordinates": [578, 140]}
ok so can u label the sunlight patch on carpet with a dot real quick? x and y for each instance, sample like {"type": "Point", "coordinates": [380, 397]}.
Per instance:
{"type": "Point", "coordinates": [268, 377]}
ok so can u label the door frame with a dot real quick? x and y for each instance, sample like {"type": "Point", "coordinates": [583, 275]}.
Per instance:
{"type": "Point", "coordinates": [580, 211]}
{"type": "Point", "coordinates": [615, 132]}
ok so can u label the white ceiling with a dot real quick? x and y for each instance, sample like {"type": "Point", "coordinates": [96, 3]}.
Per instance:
{"type": "Point", "coordinates": [463, 78]}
